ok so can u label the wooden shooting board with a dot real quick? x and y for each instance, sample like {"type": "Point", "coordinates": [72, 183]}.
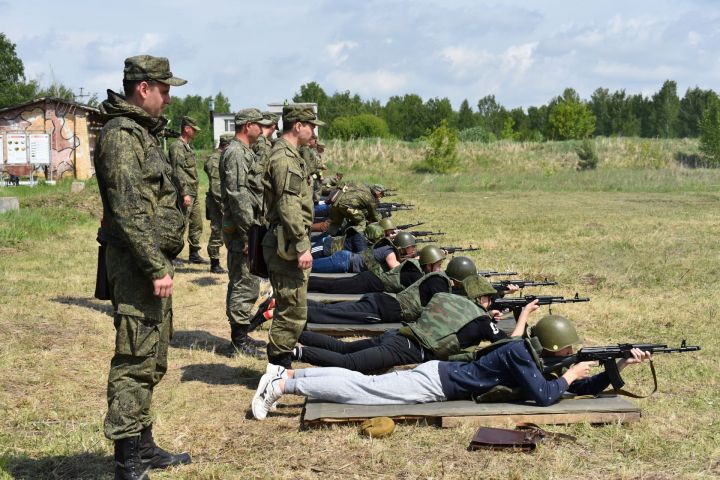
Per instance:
{"type": "Point", "coordinates": [333, 275]}
{"type": "Point", "coordinates": [333, 297]}
{"type": "Point", "coordinates": [606, 409]}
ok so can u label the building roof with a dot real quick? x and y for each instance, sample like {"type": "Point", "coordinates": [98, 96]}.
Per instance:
{"type": "Point", "coordinates": [51, 100]}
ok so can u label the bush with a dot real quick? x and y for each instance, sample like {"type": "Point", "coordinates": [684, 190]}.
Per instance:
{"type": "Point", "coordinates": [359, 126]}
{"type": "Point", "coordinates": [710, 134]}
{"type": "Point", "coordinates": [441, 154]}
{"type": "Point", "coordinates": [477, 134]}
{"type": "Point", "coordinates": [587, 156]}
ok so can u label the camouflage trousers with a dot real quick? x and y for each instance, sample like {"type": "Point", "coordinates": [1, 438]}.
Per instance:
{"type": "Point", "coordinates": [194, 220]}
{"type": "Point", "coordinates": [143, 328]}
{"type": "Point", "coordinates": [339, 213]}
{"type": "Point", "coordinates": [213, 212]}
{"type": "Point", "coordinates": [289, 284]}
{"type": "Point", "coordinates": [243, 289]}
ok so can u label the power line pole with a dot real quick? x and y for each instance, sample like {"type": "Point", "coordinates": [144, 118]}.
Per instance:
{"type": "Point", "coordinates": [81, 95]}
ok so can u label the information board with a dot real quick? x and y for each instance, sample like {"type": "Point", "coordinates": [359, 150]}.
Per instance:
{"type": "Point", "coordinates": [16, 148]}
{"type": "Point", "coordinates": [2, 149]}
{"type": "Point", "coordinates": [39, 147]}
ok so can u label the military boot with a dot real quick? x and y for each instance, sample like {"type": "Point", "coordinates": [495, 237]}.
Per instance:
{"type": "Point", "coordinates": [195, 257]}
{"type": "Point", "coordinates": [215, 266]}
{"type": "Point", "coordinates": [244, 344]}
{"type": "Point", "coordinates": [128, 464]}
{"type": "Point", "coordinates": [153, 456]}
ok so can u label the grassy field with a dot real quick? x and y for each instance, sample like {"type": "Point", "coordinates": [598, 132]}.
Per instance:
{"type": "Point", "coordinates": [639, 239]}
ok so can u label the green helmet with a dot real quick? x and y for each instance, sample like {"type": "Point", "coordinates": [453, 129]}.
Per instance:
{"type": "Point", "coordinates": [459, 268]}
{"type": "Point", "coordinates": [373, 232]}
{"type": "Point", "coordinates": [476, 286]}
{"type": "Point", "coordinates": [377, 188]}
{"type": "Point", "coordinates": [404, 240]}
{"type": "Point", "coordinates": [431, 254]}
{"type": "Point", "coordinates": [387, 224]}
{"type": "Point", "coordinates": [555, 332]}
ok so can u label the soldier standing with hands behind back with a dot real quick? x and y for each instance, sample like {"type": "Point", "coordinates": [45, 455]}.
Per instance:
{"type": "Point", "coordinates": [286, 247]}
{"type": "Point", "coordinates": [143, 225]}
{"type": "Point", "coordinates": [213, 203]}
{"type": "Point", "coordinates": [182, 158]}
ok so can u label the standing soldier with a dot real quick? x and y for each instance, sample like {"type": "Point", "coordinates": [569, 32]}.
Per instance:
{"type": "Point", "coordinates": [286, 247]}
{"type": "Point", "coordinates": [263, 144]}
{"type": "Point", "coordinates": [182, 158]}
{"type": "Point", "coordinates": [213, 204]}
{"type": "Point", "coordinates": [357, 204]}
{"type": "Point", "coordinates": [241, 210]}
{"type": "Point", "coordinates": [143, 227]}
{"type": "Point", "coordinates": [315, 166]}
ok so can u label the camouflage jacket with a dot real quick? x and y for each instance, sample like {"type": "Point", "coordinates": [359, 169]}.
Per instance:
{"type": "Point", "coordinates": [359, 197]}
{"type": "Point", "coordinates": [262, 148]}
{"type": "Point", "coordinates": [409, 299]}
{"type": "Point", "coordinates": [440, 321]}
{"type": "Point", "coordinates": [212, 169]}
{"type": "Point", "coordinates": [138, 188]}
{"type": "Point", "coordinates": [239, 203]}
{"type": "Point", "coordinates": [182, 158]}
{"type": "Point", "coordinates": [288, 199]}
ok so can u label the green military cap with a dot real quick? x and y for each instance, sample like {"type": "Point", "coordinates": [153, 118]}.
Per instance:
{"type": "Point", "coordinates": [378, 188]}
{"type": "Point", "coordinates": [250, 115]}
{"type": "Point", "coordinates": [226, 138]}
{"type": "Point", "coordinates": [476, 286]}
{"type": "Point", "coordinates": [377, 427]}
{"type": "Point", "coordinates": [189, 122]}
{"type": "Point", "coordinates": [147, 67]}
{"type": "Point", "coordinates": [294, 113]}
{"type": "Point", "coordinates": [273, 117]}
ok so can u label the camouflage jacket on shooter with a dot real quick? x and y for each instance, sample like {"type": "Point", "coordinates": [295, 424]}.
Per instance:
{"type": "Point", "coordinates": [409, 299]}
{"type": "Point", "coordinates": [182, 158]}
{"type": "Point", "coordinates": [139, 190]}
{"type": "Point", "coordinates": [359, 197]}
{"type": "Point", "coordinates": [240, 206]}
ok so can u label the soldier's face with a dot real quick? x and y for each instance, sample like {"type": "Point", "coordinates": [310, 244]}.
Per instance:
{"type": "Point", "coordinates": [253, 131]}
{"type": "Point", "coordinates": [155, 96]}
{"type": "Point", "coordinates": [305, 133]}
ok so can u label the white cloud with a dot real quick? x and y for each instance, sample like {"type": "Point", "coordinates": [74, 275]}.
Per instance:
{"type": "Point", "coordinates": [338, 52]}
{"type": "Point", "coordinates": [379, 82]}
{"type": "Point", "coordinates": [516, 59]}
{"type": "Point", "coordinates": [635, 72]}
{"type": "Point", "coordinates": [694, 39]}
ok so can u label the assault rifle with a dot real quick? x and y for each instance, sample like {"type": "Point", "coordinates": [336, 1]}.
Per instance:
{"type": "Point", "coordinates": [389, 205]}
{"type": "Point", "coordinates": [424, 233]}
{"type": "Point", "coordinates": [169, 133]}
{"type": "Point", "coordinates": [503, 284]}
{"type": "Point", "coordinates": [607, 357]}
{"type": "Point", "coordinates": [493, 273]}
{"type": "Point", "coordinates": [409, 225]}
{"type": "Point", "coordinates": [451, 250]}
{"type": "Point", "coordinates": [386, 212]}
{"type": "Point", "coordinates": [425, 240]}
{"type": "Point", "coordinates": [516, 303]}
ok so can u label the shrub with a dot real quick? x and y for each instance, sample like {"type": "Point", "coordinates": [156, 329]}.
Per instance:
{"type": "Point", "coordinates": [587, 156]}
{"type": "Point", "coordinates": [441, 153]}
{"type": "Point", "coordinates": [477, 134]}
{"type": "Point", "coordinates": [359, 126]}
{"type": "Point", "coordinates": [710, 134]}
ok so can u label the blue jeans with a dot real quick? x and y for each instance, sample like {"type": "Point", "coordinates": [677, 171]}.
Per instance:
{"type": "Point", "coordinates": [321, 211]}
{"type": "Point", "coordinates": [338, 262]}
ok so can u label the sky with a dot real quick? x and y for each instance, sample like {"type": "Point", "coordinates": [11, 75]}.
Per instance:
{"type": "Point", "coordinates": [523, 52]}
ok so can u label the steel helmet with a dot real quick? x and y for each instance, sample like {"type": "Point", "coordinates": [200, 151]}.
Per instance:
{"type": "Point", "coordinates": [387, 224]}
{"type": "Point", "coordinates": [555, 332]}
{"type": "Point", "coordinates": [459, 268]}
{"type": "Point", "coordinates": [431, 254]}
{"type": "Point", "coordinates": [404, 240]}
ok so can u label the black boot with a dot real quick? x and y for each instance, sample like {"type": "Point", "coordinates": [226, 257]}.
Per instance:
{"type": "Point", "coordinates": [283, 359]}
{"type": "Point", "coordinates": [215, 266]}
{"type": "Point", "coordinates": [128, 464]}
{"type": "Point", "coordinates": [245, 344]}
{"type": "Point", "coordinates": [195, 257]}
{"type": "Point", "coordinates": [153, 456]}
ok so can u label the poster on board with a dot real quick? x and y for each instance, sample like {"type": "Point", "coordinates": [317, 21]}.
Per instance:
{"type": "Point", "coordinates": [2, 149]}
{"type": "Point", "coordinates": [16, 148]}
{"type": "Point", "coordinates": [39, 148]}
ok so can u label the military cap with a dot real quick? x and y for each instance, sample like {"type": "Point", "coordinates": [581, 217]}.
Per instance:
{"type": "Point", "coordinates": [476, 286]}
{"type": "Point", "coordinates": [378, 188]}
{"type": "Point", "coordinates": [226, 138]}
{"type": "Point", "coordinates": [273, 117]}
{"type": "Point", "coordinates": [377, 427]}
{"type": "Point", "coordinates": [189, 122]}
{"type": "Point", "coordinates": [147, 67]}
{"type": "Point", "coordinates": [250, 115]}
{"type": "Point", "coordinates": [294, 113]}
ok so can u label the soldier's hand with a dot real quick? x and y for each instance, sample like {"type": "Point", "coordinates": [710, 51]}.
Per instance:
{"type": "Point", "coordinates": [163, 287]}
{"type": "Point", "coordinates": [305, 260]}
{"type": "Point", "coordinates": [187, 200]}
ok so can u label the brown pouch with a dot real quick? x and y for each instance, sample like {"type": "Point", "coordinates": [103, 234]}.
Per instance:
{"type": "Point", "coordinates": [256, 260]}
{"type": "Point", "coordinates": [524, 438]}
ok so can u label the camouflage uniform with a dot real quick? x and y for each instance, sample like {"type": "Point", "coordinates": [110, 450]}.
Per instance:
{"type": "Point", "coordinates": [213, 203]}
{"type": "Point", "coordinates": [239, 213]}
{"type": "Point", "coordinates": [289, 207]}
{"type": "Point", "coordinates": [182, 158]}
{"type": "Point", "coordinates": [357, 205]}
{"type": "Point", "coordinates": [315, 169]}
{"type": "Point", "coordinates": [143, 226]}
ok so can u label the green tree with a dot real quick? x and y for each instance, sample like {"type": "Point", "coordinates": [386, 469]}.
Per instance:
{"type": "Point", "coordinates": [13, 86]}
{"type": "Point", "coordinates": [692, 110]}
{"type": "Point", "coordinates": [465, 117]}
{"type": "Point", "coordinates": [441, 154]}
{"type": "Point", "coordinates": [491, 115]}
{"type": "Point", "coordinates": [58, 90]}
{"type": "Point", "coordinates": [710, 133]}
{"type": "Point", "coordinates": [665, 110]}
{"type": "Point", "coordinates": [312, 93]}
{"type": "Point", "coordinates": [359, 126]}
{"type": "Point", "coordinates": [406, 116]}
{"type": "Point", "coordinates": [570, 119]}
{"type": "Point", "coordinates": [222, 103]}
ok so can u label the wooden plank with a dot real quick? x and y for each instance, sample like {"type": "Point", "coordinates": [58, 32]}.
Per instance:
{"type": "Point", "coordinates": [346, 330]}
{"type": "Point", "coordinates": [548, 419]}
{"type": "Point", "coordinates": [333, 297]}
{"type": "Point", "coordinates": [332, 275]}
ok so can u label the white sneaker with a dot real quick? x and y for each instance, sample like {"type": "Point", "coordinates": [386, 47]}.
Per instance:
{"type": "Point", "coordinates": [275, 370]}
{"type": "Point", "coordinates": [264, 397]}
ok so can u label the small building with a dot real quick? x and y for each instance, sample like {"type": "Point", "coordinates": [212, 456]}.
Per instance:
{"type": "Point", "coordinates": [48, 136]}
{"type": "Point", "coordinates": [225, 122]}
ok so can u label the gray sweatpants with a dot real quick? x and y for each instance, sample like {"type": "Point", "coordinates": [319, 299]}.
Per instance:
{"type": "Point", "coordinates": [419, 385]}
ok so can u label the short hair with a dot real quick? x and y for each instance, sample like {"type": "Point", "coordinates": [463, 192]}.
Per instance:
{"type": "Point", "coordinates": [129, 86]}
{"type": "Point", "coordinates": [289, 125]}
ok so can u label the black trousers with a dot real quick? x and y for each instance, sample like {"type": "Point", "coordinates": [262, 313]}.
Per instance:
{"type": "Point", "coordinates": [377, 353]}
{"type": "Point", "coordinates": [371, 308]}
{"type": "Point", "coordinates": [363, 282]}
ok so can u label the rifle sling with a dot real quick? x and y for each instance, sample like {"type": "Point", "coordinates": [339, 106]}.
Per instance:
{"type": "Point", "coordinates": [622, 391]}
